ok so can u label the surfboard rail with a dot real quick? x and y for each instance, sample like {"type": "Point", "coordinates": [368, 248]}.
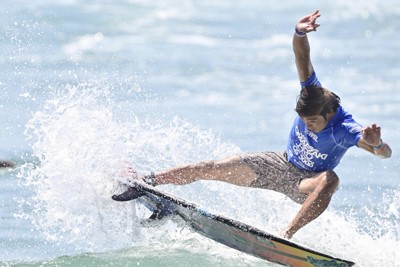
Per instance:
{"type": "Point", "coordinates": [236, 234]}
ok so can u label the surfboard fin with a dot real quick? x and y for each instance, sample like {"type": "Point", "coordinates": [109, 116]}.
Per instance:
{"type": "Point", "coordinates": [159, 214]}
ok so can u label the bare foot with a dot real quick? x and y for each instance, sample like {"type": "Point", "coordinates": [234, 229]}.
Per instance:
{"type": "Point", "coordinates": [286, 234]}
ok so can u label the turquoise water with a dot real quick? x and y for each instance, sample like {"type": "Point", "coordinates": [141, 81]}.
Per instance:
{"type": "Point", "coordinates": [91, 86]}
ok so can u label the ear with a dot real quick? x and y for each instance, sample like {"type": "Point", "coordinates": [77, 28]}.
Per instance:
{"type": "Point", "coordinates": [330, 115]}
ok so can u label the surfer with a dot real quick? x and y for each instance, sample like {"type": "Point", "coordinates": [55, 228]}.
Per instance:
{"type": "Point", "coordinates": [6, 164]}
{"type": "Point", "coordinates": [320, 135]}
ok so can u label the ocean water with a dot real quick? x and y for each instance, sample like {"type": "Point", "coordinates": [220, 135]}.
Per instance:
{"type": "Point", "coordinates": [89, 87]}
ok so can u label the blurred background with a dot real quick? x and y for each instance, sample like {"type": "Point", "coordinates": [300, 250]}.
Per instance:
{"type": "Point", "coordinates": [88, 84]}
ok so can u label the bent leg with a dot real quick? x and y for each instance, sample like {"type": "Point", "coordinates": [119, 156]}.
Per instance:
{"type": "Point", "coordinates": [319, 190]}
{"type": "Point", "coordinates": [231, 170]}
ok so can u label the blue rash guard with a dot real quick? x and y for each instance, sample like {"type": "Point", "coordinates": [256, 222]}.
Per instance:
{"type": "Point", "coordinates": [322, 151]}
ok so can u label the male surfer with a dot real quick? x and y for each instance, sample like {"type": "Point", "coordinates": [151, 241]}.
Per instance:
{"type": "Point", "coordinates": [6, 164]}
{"type": "Point", "coordinates": [321, 134]}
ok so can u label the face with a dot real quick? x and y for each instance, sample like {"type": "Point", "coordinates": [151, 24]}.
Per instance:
{"type": "Point", "coordinates": [315, 123]}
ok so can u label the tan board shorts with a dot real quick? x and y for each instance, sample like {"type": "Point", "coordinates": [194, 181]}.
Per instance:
{"type": "Point", "coordinates": [276, 173]}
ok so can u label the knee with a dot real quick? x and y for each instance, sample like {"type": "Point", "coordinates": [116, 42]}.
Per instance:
{"type": "Point", "coordinates": [210, 164]}
{"type": "Point", "coordinates": [229, 162]}
{"type": "Point", "coordinates": [329, 182]}
{"type": "Point", "coordinates": [232, 160]}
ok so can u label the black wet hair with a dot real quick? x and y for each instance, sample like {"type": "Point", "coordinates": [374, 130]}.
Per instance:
{"type": "Point", "coordinates": [316, 100]}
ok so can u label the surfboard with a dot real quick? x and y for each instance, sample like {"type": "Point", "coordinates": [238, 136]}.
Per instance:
{"type": "Point", "coordinates": [233, 233]}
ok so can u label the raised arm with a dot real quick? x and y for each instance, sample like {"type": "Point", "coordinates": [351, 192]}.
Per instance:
{"type": "Point", "coordinates": [301, 46]}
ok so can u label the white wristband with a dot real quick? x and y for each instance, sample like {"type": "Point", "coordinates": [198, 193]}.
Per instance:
{"type": "Point", "coordinates": [378, 146]}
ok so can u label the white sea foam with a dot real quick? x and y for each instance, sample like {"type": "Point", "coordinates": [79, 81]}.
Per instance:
{"type": "Point", "coordinates": [82, 149]}
{"type": "Point", "coordinates": [227, 65]}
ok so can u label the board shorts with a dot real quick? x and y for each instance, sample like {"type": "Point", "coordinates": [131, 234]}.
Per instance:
{"type": "Point", "coordinates": [275, 172]}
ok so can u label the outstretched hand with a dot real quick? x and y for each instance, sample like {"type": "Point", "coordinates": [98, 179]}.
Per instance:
{"type": "Point", "coordinates": [308, 23]}
{"type": "Point", "coordinates": [372, 134]}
